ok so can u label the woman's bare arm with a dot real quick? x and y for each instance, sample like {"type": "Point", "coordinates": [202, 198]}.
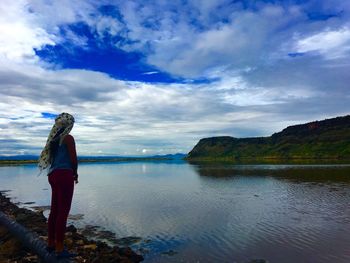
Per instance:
{"type": "Point", "coordinates": [69, 140]}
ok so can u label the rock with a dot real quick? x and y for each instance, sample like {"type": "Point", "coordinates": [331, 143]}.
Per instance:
{"type": "Point", "coordinates": [125, 251]}
{"type": "Point", "coordinates": [102, 246]}
{"type": "Point", "coordinates": [169, 252]}
{"type": "Point", "coordinates": [71, 228]}
{"type": "Point", "coordinates": [136, 258]}
{"type": "Point", "coordinates": [80, 242]}
{"type": "Point", "coordinates": [76, 217]}
{"type": "Point", "coordinates": [3, 232]}
{"type": "Point", "coordinates": [29, 203]}
{"type": "Point", "coordinates": [90, 246]}
{"type": "Point", "coordinates": [89, 230]}
{"type": "Point", "coordinates": [69, 242]}
{"type": "Point", "coordinates": [124, 260]}
{"type": "Point", "coordinates": [3, 192]}
{"type": "Point", "coordinates": [41, 208]}
{"type": "Point", "coordinates": [44, 237]}
{"type": "Point", "coordinates": [105, 234]}
{"type": "Point", "coordinates": [258, 261]}
{"type": "Point", "coordinates": [31, 258]}
{"type": "Point", "coordinates": [127, 241]}
{"type": "Point", "coordinates": [10, 247]}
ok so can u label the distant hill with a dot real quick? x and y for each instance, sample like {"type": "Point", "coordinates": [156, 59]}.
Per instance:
{"type": "Point", "coordinates": [176, 156]}
{"type": "Point", "coordinates": [34, 158]}
{"type": "Point", "coordinates": [327, 139]}
{"type": "Point", "coordinates": [19, 157]}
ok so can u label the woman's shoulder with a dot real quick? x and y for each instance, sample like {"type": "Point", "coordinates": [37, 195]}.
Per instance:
{"type": "Point", "coordinates": [68, 139]}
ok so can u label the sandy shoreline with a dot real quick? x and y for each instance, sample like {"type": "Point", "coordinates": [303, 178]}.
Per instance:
{"type": "Point", "coordinates": [11, 249]}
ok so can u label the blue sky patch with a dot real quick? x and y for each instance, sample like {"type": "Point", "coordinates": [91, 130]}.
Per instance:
{"type": "Point", "coordinates": [48, 115]}
{"type": "Point", "coordinates": [296, 54]}
{"type": "Point", "coordinates": [114, 62]}
{"type": "Point", "coordinates": [110, 10]}
{"type": "Point", "coordinates": [318, 16]}
{"type": "Point", "coordinates": [103, 56]}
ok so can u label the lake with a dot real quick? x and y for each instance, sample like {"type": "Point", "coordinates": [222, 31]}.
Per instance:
{"type": "Point", "coordinates": [208, 213]}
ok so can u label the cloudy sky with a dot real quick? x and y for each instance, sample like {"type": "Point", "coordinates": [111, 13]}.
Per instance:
{"type": "Point", "coordinates": [153, 77]}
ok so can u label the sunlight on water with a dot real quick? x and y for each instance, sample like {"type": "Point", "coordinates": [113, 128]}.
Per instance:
{"type": "Point", "coordinates": [212, 213]}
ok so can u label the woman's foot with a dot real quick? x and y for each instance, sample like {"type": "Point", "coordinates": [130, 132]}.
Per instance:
{"type": "Point", "coordinates": [65, 254]}
{"type": "Point", "coordinates": [50, 249]}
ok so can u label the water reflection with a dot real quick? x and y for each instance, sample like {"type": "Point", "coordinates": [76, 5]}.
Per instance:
{"type": "Point", "coordinates": [210, 213]}
{"type": "Point", "coordinates": [297, 173]}
{"type": "Point", "coordinates": [300, 210]}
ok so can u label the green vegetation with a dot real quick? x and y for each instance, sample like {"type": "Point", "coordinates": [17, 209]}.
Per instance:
{"type": "Point", "coordinates": [322, 140]}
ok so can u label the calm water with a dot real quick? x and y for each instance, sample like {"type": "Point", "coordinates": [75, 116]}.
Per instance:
{"type": "Point", "coordinates": [216, 213]}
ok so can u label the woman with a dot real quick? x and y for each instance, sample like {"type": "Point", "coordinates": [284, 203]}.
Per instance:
{"type": "Point", "coordinates": [59, 156]}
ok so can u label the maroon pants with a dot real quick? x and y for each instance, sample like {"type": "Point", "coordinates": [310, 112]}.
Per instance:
{"type": "Point", "coordinates": [62, 185]}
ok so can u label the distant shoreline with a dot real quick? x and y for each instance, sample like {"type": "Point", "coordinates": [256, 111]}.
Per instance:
{"type": "Point", "coordinates": [223, 160]}
{"type": "Point", "coordinates": [93, 160]}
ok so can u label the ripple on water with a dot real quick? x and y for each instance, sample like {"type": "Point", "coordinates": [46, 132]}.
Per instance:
{"type": "Point", "coordinates": [222, 214]}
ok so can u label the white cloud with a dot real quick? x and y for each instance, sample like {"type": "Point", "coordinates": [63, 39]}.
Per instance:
{"type": "Point", "coordinates": [150, 73]}
{"type": "Point", "coordinates": [330, 43]}
{"type": "Point", "coordinates": [51, 14]}
{"type": "Point", "coordinates": [126, 117]}
{"type": "Point", "coordinates": [20, 33]}
{"type": "Point", "coordinates": [108, 25]}
{"type": "Point", "coordinates": [220, 36]}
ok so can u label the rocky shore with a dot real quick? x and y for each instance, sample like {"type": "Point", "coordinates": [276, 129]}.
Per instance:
{"type": "Point", "coordinates": [11, 249]}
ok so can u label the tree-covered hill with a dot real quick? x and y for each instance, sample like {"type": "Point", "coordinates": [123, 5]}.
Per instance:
{"type": "Point", "coordinates": [327, 139]}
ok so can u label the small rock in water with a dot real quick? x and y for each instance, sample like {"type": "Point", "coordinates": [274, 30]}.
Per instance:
{"type": "Point", "coordinates": [29, 203]}
{"type": "Point", "coordinates": [127, 241]}
{"type": "Point", "coordinates": [143, 250]}
{"type": "Point", "coordinates": [41, 208]}
{"type": "Point", "coordinates": [333, 189]}
{"type": "Point", "coordinates": [5, 191]}
{"type": "Point", "coordinates": [89, 230]}
{"type": "Point", "coordinates": [76, 217]}
{"type": "Point", "coordinates": [105, 234]}
{"type": "Point", "coordinates": [258, 261]}
{"type": "Point", "coordinates": [171, 253]}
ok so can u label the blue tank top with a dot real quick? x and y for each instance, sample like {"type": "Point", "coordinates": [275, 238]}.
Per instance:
{"type": "Point", "coordinates": [61, 159]}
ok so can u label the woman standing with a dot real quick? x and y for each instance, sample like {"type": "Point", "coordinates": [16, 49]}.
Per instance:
{"type": "Point", "coordinates": [59, 156]}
